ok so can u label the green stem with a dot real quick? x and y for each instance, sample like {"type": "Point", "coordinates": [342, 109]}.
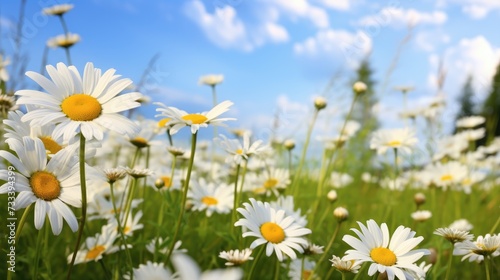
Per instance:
{"type": "Point", "coordinates": [495, 225]}
{"type": "Point", "coordinates": [487, 267]}
{"type": "Point", "coordinates": [235, 200]}
{"type": "Point", "coordinates": [120, 230]}
{"type": "Point", "coordinates": [128, 206]}
{"type": "Point", "coordinates": [448, 269]}
{"type": "Point", "coordinates": [328, 247]}
{"type": "Point", "coordinates": [302, 265]}
{"type": "Point", "coordinates": [304, 151]}
{"type": "Point", "coordinates": [18, 233]}
{"type": "Point", "coordinates": [277, 270]}
{"type": "Point", "coordinates": [184, 196]}
{"type": "Point", "coordinates": [68, 56]}
{"type": "Point", "coordinates": [83, 184]}
{"type": "Point", "coordinates": [37, 253]}
{"type": "Point", "coordinates": [254, 263]}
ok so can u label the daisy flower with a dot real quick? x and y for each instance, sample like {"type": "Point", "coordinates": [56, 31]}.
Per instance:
{"type": "Point", "coordinates": [211, 197]}
{"type": "Point", "coordinates": [236, 257]}
{"type": "Point", "coordinates": [57, 10]}
{"type": "Point", "coordinates": [286, 203]}
{"type": "Point", "coordinates": [162, 246]}
{"type": "Point", "coordinates": [447, 174]}
{"type": "Point", "coordinates": [187, 268]}
{"type": "Point", "coordinates": [271, 182]}
{"type": "Point", "coordinates": [391, 255]}
{"type": "Point", "coordinates": [95, 247]}
{"type": "Point", "coordinates": [241, 151]}
{"type": "Point", "coordinates": [88, 104]}
{"type": "Point", "coordinates": [462, 224]}
{"type": "Point", "coordinates": [421, 216]}
{"type": "Point", "coordinates": [299, 271]}
{"type": "Point", "coordinates": [454, 235]}
{"type": "Point", "coordinates": [152, 270]}
{"type": "Point", "coordinates": [211, 80]}
{"type": "Point", "coordinates": [279, 232]}
{"type": "Point", "coordinates": [4, 75]}
{"type": "Point", "coordinates": [470, 122]}
{"type": "Point", "coordinates": [63, 41]}
{"type": "Point", "coordinates": [340, 180]}
{"type": "Point", "coordinates": [180, 118]}
{"type": "Point", "coordinates": [343, 265]}
{"type": "Point", "coordinates": [487, 246]}
{"type": "Point", "coordinates": [52, 185]}
{"type": "Point", "coordinates": [313, 249]}
{"type": "Point", "coordinates": [7, 103]}
{"type": "Point", "coordinates": [131, 225]}
{"type": "Point", "coordinates": [402, 139]}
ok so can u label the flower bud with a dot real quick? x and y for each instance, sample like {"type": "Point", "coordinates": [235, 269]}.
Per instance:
{"type": "Point", "coordinates": [332, 196]}
{"type": "Point", "coordinates": [289, 144]}
{"type": "Point", "coordinates": [319, 103]}
{"type": "Point", "coordinates": [359, 87]}
{"type": "Point", "coordinates": [341, 214]}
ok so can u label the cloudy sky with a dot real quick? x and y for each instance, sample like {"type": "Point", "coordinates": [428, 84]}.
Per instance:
{"type": "Point", "coordinates": [276, 55]}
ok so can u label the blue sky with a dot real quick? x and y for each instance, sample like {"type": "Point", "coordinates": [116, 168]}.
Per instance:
{"type": "Point", "coordinates": [275, 53]}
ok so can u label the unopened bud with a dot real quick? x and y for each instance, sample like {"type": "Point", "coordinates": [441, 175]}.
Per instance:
{"type": "Point", "coordinates": [319, 103]}
{"type": "Point", "coordinates": [359, 87]}
{"type": "Point", "coordinates": [341, 214]}
{"type": "Point", "coordinates": [332, 196]}
{"type": "Point", "coordinates": [289, 144]}
{"type": "Point", "coordinates": [419, 198]}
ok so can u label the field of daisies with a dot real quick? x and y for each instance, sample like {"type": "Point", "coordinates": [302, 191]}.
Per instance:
{"type": "Point", "coordinates": [91, 189]}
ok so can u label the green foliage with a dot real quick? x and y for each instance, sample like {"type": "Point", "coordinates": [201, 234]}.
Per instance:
{"type": "Point", "coordinates": [466, 100]}
{"type": "Point", "coordinates": [491, 108]}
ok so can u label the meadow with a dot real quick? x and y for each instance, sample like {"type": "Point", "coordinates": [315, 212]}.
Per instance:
{"type": "Point", "coordinates": [92, 189]}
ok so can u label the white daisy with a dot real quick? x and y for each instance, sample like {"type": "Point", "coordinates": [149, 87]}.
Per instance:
{"type": "Point", "coordinates": [402, 139]}
{"type": "Point", "coordinates": [461, 224]}
{"type": "Point", "coordinates": [63, 41]}
{"type": "Point", "coordinates": [131, 225]}
{"type": "Point", "coordinates": [454, 235]}
{"type": "Point", "coordinates": [161, 246]}
{"type": "Point", "coordinates": [279, 232]}
{"type": "Point", "coordinates": [470, 122]}
{"type": "Point", "coordinates": [238, 150]}
{"type": "Point", "coordinates": [57, 10]}
{"type": "Point", "coordinates": [187, 268]}
{"type": "Point", "coordinates": [391, 255]}
{"type": "Point", "coordinates": [95, 247]}
{"type": "Point", "coordinates": [421, 215]}
{"type": "Point", "coordinates": [271, 182]}
{"type": "Point", "coordinates": [76, 104]}
{"type": "Point", "coordinates": [236, 257]}
{"type": "Point", "coordinates": [4, 75]}
{"type": "Point", "coordinates": [343, 265]}
{"type": "Point", "coordinates": [50, 185]}
{"type": "Point", "coordinates": [211, 80]}
{"type": "Point", "coordinates": [340, 180]}
{"type": "Point", "coordinates": [151, 271]}
{"type": "Point", "coordinates": [180, 118]}
{"type": "Point", "coordinates": [211, 197]}
{"type": "Point", "coordinates": [286, 203]}
{"type": "Point", "coordinates": [447, 174]}
{"type": "Point", "coordinates": [487, 246]}
{"type": "Point", "coordinates": [299, 271]}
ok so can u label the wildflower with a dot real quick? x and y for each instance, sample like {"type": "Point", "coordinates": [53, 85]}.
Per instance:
{"type": "Point", "coordinates": [114, 174]}
{"type": "Point", "coordinates": [279, 232]}
{"type": "Point", "coordinates": [359, 87]}
{"type": "Point", "coordinates": [313, 249]}
{"type": "Point", "coordinates": [286, 203]}
{"type": "Point", "coordinates": [487, 246]}
{"type": "Point", "coordinates": [236, 257]}
{"type": "Point", "coordinates": [7, 102]}
{"type": "Point", "coordinates": [341, 214]}
{"type": "Point", "coordinates": [332, 196]}
{"type": "Point", "coordinates": [402, 139]}
{"type": "Point", "coordinates": [57, 10]}
{"type": "Point", "coordinates": [340, 180]}
{"type": "Point", "coordinates": [51, 185]}
{"type": "Point", "coordinates": [391, 255]}
{"type": "Point", "coordinates": [64, 41]}
{"type": "Point", "coordinates": [470, 122]}
{"type": "Point", "coordinates": [180, 118]}
{"type": "Point", "coordinates": [289, 144]}
{"type": "Point", "coordinates": [447, 174]}
{"type": "Point", "coordinates": [320, 103]}
{"type": "Point", "coordinates": [211, 197]}
{"type": "Point", "coordinates": [211, 80]}
{"type": "Point", "coordinates": [188, 269]}
{"type": "Point", "coordinates": [95, 247]}
{"type": "Point", "coordinates": [241, 151]}
{"type": "Point", "coordinates": [461, 224]}
{"type": "Point", "coordinates": [454, 235]}
{"type": "Point", "coordinates": [86, 105]}
{"type": "Point", "coordinates": [343, 265]}
{"type": "Point", "coordinates": [162, 246]}
{"type": "Point", "coordinates": [152, 270]}
{"type": "Point", "coordinates": [297, 272]}
{"type": "Point", "coordinates": [4, 75]}
{"type": "Point", "coordinates": [421, 216]}
{"type": "Point", "coordinates": [138, 172]}
{"type": "Point", "coordinates": [419, 199]}
{"type": "Point", "coordinates": [273, 181]}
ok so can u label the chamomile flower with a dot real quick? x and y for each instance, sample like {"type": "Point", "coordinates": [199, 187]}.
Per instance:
{"type": "Point", "coordinates": [162, 247]}
{"type": "Point", "coordinates": [51, 185]}
{"type": "Point", "coordinates": [402, 139]}
{"type": "Point", "coordinates": [211, 197]}
{"type": "Point", "coordinates": [187, 268]}
{"type": "Point", "coordinates": [391, 255]}
{"type": "Point", "coordinates": [131, 225]}
{"type": "Point", "coordinates": [462, 224]}
{"type": "Point", "coordinates": [63, 41]}
{"type": "Point", "coordinates": [57, 10]}
{"type": "Point", "coordinates": [286, 203]}
{"type": "Point", "coordinates": [241, 151]}
{"type": "Point", "coordinates": [7, 103]}
{"type": "Point", "coordinates": [470, 122]}
{"type": "Point", "coordinates": [454, 235]}
{"type": "Point", "coordinates": [340, 180]}
{"type": "Point", "coordinates": [421, 215]}
{"type": "Point", "coordinates": [236, 257]}
{"type": "Point", "coordinates": [448, 174]}
{"type": "Point", "coordinates": [271, 182]}
{"type": "Point", "coordinates": [211, 80]}
{"type": "Point", "coordinates": [152, 270]}
{"type": "Point", "coordinates": [302, 271]}
{"type": "Point", "coordinates": [279, 232]}
{"type": "Point", "coordinates": [95, 247]}
{"type": "Point", "coordinates": [487, 246]}
{"type": "Point", "coordinates": [90, 104]}
{"type": "Point", "coordinates": [4, 75]}
{"type": "Point", "coordinates": [343, 265]}
{"type": "Point", "coordinates": [180, 118]}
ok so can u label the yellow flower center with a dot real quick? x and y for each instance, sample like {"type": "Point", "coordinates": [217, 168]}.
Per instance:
{"type": "Point", "coordinates": [239, 151]}
{"type": "Point", "coordinates": [95, 252]}
{"type": "Point", "coordinates": [167, 181]}
{"type": "Point", "coordinates": [195, 118]}
{"type": "Point", "coordinates": [45, 185]}
{"type": "Point", "coordinates": [208, 200]}
{"type": "Point", "coordinates": [272, 232]}
{"type": "Point", "coordinates": [50, 145]}
{"type": "Point", "coordinates": [306, 274]}
{"type": "Point", "coordinates": [394, 144]}
{"type": "Point", "coordinates": [446, 177]}
{"type": "Point", "coordinates": [270, 183]}
{"type": "Point", "coordinates": [139, 142]}
{"type": "Point", "coordinates": [81, 107]}
{"type": "Point", "coordinates": [163, 122]}
{"type": "Point", "coordinates": [383, 256]}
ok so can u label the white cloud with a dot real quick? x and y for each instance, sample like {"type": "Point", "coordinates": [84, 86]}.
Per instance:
{"type": "Point", "coordinates": [397, 18]}
{"type": "Point", "coordinates": [341, 5]}
{"type": "Point", "coordinates": [428, 40]}
{"type": "Point", "coordinates": [6, 24]}
{"type": "Point", "coordinates": [474, 56]}
{"type": "Point", "coordinates": [476, 9]}
{"type": "Point", "coordinates": [328, 45]}
{"type": "Point", "coordinates": [302, 8]}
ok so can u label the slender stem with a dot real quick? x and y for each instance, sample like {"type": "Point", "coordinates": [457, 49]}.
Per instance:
{"type": "Point", "coordinates": [120, 230]}
{"type": "Point", "coordinates": [128, 206]}
{"type": "Point", "coordinates": [302, 265]}
{"type": "Point", "coordinates": [136, 157]}
{"type": "Point", "coordinates": [235, 200]}
{"type": "Point", "coordinates": [277, 270]}
{"type": "Point", "coordinates": [487, 267]}
{"type": "Point", "coordinates": [37, 253]}
{"type": "Point", "coordinates": [184, 196]}
{"type": "Point", "coordinates": [448, 269]}
{"type": "Point", "coordinates": [328, 247]}
{"type": "Point", "coordinates": [330, 271]}
{"type": "Point", "coordinates": [68, 55]}
{"type": "Point", "coordinates": [254, 263]}
{"type": "Point", "coordinates": [495, 225]}
{"type": "Point", "coordinates": [304, 151]}
{"type": "Point", "coordinates": [290, 160]}
{"type": "Point", "coordinates": [64, 26]}
{"type": "Point", "coordinates": [18, 233]}
{"type": "Point", "coordinates": [83, 184]}
{"type": "Point", "coordinates": [170, 141]}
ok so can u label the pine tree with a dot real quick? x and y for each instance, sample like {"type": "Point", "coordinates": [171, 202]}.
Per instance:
{"type": "Point", "coordinates": [465, 100]}
{"type": "Point", "coordinates": [491, 108]}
